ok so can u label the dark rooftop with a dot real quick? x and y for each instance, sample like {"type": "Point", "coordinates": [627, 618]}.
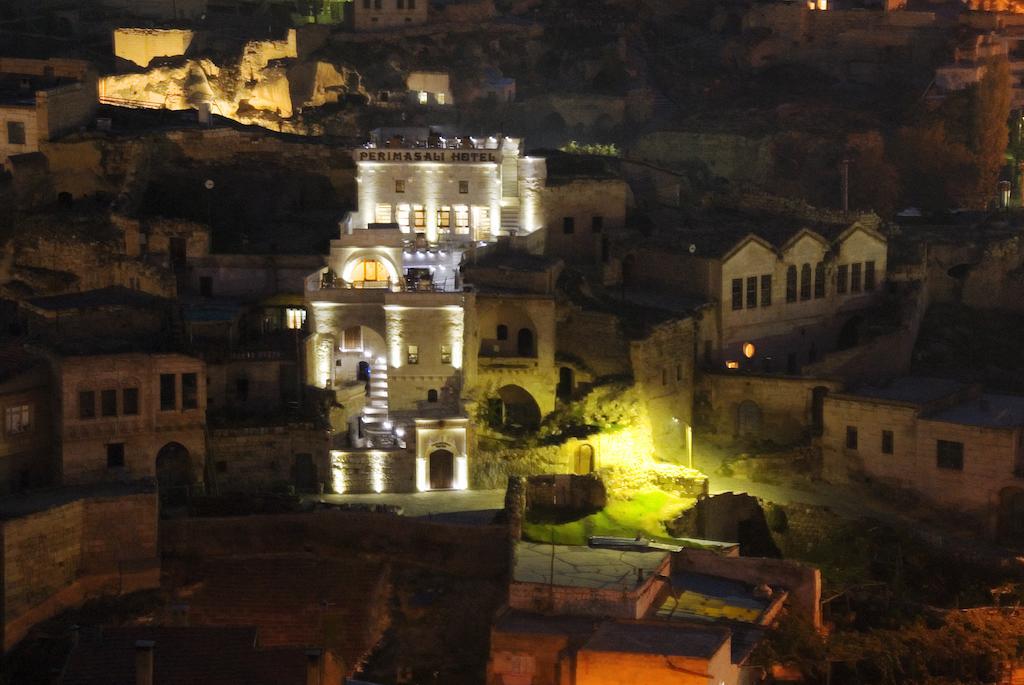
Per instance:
{"type": "Point", "coordinates": [185, 654]}
{"type": "Point", "coordinates": [15, 506]}
{"type": "Point", "coordinates": [659, 639]}
{"type": "Point", "coordinates": [911, 390]}
{"type": "Point", "coordinates": [564, 167]}
{"type": "Point", "coordinates": [16, 360]}
{"type": "Point", "coordinates": [113, 296]}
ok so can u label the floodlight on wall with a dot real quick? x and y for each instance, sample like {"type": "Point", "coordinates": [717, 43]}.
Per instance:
{"type": "Point", "coordinates": [749, 350]}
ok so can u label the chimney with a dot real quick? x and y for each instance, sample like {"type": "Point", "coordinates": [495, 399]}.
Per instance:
{"type": "Point", "coordinates": [144, 662]}
{"type": "Point", "coordinates": [313, 666]}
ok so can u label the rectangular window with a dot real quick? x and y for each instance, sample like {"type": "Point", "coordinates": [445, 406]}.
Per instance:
{"type": "Point", "coordinates": [841, 274]}
{"type": "Point", "coordinates": [15, 133]}
{"type": "Point", "coordinates": [851, 438]}
{"type": "Point", "coordinates": [130, 401]}
{"type": "Point", "coordinates": [791, 284]}
{"type": "Point", "coordinates": [294, 318]}
{"type": "Point", "coordinates": [440, 96]}
{"type": "Point", "coordinates": [352, 339]}
{"type": "Point", "coordinates": [679, 372]}
{"type": "Point", "coordinates": [446, 354]}
{"type": "Point", "coordinates": [737, 293]}
{"type": "Point", "coordinates": [423, 97]}
{"type": "Point", "coordinates": [596, 224]}
{"type": "Point", "coordinates": [419, 217]}
{"type": "Point", "coordinates": [412, 355]}
{"type": "Point", "coordinates": [87, 404]}
{"type": "Point", "coordinates": [949, 455]}
{"type": "Point", "coordinates": [18, 419]}
{"type": "Point", "coordinates": [382, 213]}
{"type": "Point", "coordinates": [402, 216]}
{"type": "Point", "coordinates": [366, 4]}
{"type": "Point", "coordinates": [568, 225]}
{"type": "Point", "coordinates": [401, 4]}
{"type": "Point", "coordinates": [463, 187]}
{"type": "Point", "coordinates": [168, 399]}
{"type": "Point", "coordinates": [805, 282]}
{"type": "Point", "coordinates": [411, 4]}
{"type": "Point", "coordinates": [766, 290]}
{"type": "Point", "coordinates": [444, 218]}
{"type": "Point", "coordinates": [242, 389]}
{"type": "Point", "coordinates": [855, 278]}
{"type": "Point", "coordinates": [751, 292]}
{"type": "Point", "coordinates": [376, 4]}
{"type": "Point", "coordinates": [886, 442]}
{"type": "Point", "coordinates": [869, 276]}
{"type": "Point", "coordinates": [819, 280]}
{"type": "Point", "coordinates": [462, 219]}
{"type": "Point", "coordinates": [189, 391]}
{"type": "Point", "coordinates": [115, 455]}
{"type": "Point", "coordinates": [400, 183]}
{"type": "Point", "coordinates": [108, 403]}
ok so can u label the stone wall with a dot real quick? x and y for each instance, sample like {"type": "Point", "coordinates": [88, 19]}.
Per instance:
{"type": "Point", "coordinates": [594, 205]}
{"type": "Point", "coordinates": [784, 405]}
{"type": "Point", "coordinates": [139, 46]}
{"type": "Point", "coordinates": [565, 492]}
{"type": "Point", "coordinates": [365, 471]}
{"type": "Point", "coordinates": [663, 367]}
{"type": "Point", "coordinates": [252, 459]}
{"type": "Point", "coordinates": [576, 332]}
{"type": "Point", "coordinates": [474, 551]}
{"type": "Point", "coordinates": [56, 557]}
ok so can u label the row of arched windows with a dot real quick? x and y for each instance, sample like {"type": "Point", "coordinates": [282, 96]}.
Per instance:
{"type": "Point", "coordinates": [807, 285]}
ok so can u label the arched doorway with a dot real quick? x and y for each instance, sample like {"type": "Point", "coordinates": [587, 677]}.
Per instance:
{"type": "Point", "coordinates": [849, 334]}
{"type": "Point", "coordinates": [519, 409]}
{"type": "Point", "coordinates": [584, 462]}
{"type": "Point", "coordinates": [442, 470]}
{"type": "Point", "coordinates": [748, 419]}
{"type": "Point", "coordinates": [363, 371]}
{"type": "Point", "coordinates": [173, 474]}
{"type": "Point", "coordinates": [524, 343]}
{"type": "Point", "coordinates": [1011, 516]}
{"type": "Point", "coordinates": [370, 273]}
{"type": "Point", "coordinates": [565, 384]}
{"type": "Point", "coordinates": [818, 395]}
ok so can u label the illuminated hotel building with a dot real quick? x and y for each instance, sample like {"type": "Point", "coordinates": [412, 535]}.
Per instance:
{"type": "Point", "coordinates": [389, 326]}
{"type": "Point", "coordinates": [448, 189]}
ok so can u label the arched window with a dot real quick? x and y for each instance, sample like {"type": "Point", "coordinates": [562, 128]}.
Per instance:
{"type": "Point", "coordinates": [791, 284]}
{"type": "Point", "coordinates": [502, 332]}
{"type": "Point", "coordinates": [819, 280]}
{"type": "Point", "coordinates": [805, 282]}
{"type": "Point", "coordinates": [369, 273]}
{"type": "Point", "coordinates": [431, 395]}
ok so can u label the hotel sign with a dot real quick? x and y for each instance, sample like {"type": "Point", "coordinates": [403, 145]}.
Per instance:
{"type": "Point", "coordinates": [429, 155]}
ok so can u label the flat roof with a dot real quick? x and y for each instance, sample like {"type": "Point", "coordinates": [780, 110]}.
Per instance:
{"type": "Point", "coordinates": [579, 566]}
{"type": "Point", "coordinates": [697, 596]}
{"type": "Point", "coordinates": [989, 411]}
{"type": "Point", "coordinates": [25, 504]}
{"type": "Point", "coordinates": [660, 639]}
{"type": "Point", "coordinates": [113, 296]}
{"type": "Point", "coordinates": [917, 390]}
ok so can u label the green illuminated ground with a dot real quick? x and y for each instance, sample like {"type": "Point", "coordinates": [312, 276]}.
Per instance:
{"type": "Point", "coordinates": [644, 514]}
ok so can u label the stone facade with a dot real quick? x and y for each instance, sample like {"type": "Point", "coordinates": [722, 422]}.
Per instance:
{"type": "Point", "coordinates": [56, 556]}
{"type": "Point", "coordinates": [118, 413]}
{"type": "Point", "coordinates": [663, 370]}
{"type": "Point", "coordinates": [576, 214]}
{"type": "Point", "coordinates": [26, 434]}
{"type": "Point", "coordinates": [251, 459]}
{"type": "Point", "coordinates": [373, 15]}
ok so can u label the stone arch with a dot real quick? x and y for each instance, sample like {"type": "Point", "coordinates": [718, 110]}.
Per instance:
{"type": "Point", "coordinates": [519, 408]}
{"type": "Point", "coordinates": [748, 419]}
{"type": "Point", "coordinates": [174, 474]}
{"type": "Point", "coordinates": [441, 469]}
{"type": "Point", "coordinates": [357, 260]}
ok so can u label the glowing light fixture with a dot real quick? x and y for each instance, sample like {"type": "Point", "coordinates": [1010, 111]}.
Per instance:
{"type": "Point", "coordinates": [732, 364]}
{"type": "Point", "coordinates": [749, 350]}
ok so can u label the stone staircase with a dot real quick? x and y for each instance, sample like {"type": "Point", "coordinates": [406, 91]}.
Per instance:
{"type": "Point", "coordinates": [375, 413]}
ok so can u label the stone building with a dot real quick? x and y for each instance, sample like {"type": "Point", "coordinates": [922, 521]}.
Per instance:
{"type": "Point", "coordinates": [26, 439]}
{"type": "Point", "coordinates": [640, 616]}
{"type": "Point", "coordinates": [430, 88]}
{"type": "Point", "coordinates": [41, 100]}
{"type": "Point", "coordinates": [788, 286]}
{"type": "Point", "coordinates": [374, 15]}
{"type": "Point", "coordinates": [448, 189]}
{"type": "Point", "coordinates": [954, 444]}
{"type": "Point", "coordinates": [129, 416]}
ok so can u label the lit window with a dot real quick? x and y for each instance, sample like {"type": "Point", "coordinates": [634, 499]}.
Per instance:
{"type": "Point", "coordinates": [482, 222]}
{"type": "Point", "coordinates": [402, 216]}
{"type": "Point", "coordinates": [732, 364]}
{"type": "Point", "coordinates": [382, 214]}
{"type": "Point", "coordinates": [440, 98]}
{"type": "Point", "coordinates": [419, 217]}
{"type": "Point", "coordinates": [423, 97]}
{"type": "Point", "coordinates": [400, 186]}
{"type": "Point", "coordinates": [18, 419]}
{"type": "Point", "coordinates": [413, 354]}
{"type": "Point", "coordinates": [294, 318]}
{"type": "Point", "coordinates": [369, 273]}
{"type": "Point", "coordinates": [461, 219]}
{"type": "Point", "coordinates": [446, 354]}
{"type": "Point", "coordinates": [444, 218]}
